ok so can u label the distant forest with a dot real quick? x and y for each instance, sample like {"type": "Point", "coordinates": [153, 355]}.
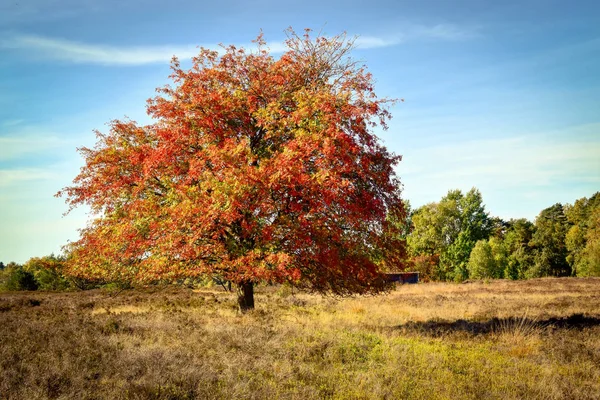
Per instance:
{"type": "Point", "coordinates": [456, 239]}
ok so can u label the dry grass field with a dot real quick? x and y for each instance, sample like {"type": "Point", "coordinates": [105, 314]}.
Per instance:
{"type": "Point", "coordinates": [537, 339]}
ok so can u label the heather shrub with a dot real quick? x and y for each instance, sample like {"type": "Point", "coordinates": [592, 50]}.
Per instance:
{"type": "Point", "coordinates": [15, 278]}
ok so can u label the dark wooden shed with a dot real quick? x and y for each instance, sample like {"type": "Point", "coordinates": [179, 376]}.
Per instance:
{"type": "Point", "coordinates": [403, 277]}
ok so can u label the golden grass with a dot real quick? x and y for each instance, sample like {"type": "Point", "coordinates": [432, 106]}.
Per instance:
{"type": "Point", "coordinates": [499, 340]}
{"type": "Point", "coordinates": [121, 310]}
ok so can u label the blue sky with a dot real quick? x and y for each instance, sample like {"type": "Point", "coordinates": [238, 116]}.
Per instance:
{"type": "Point", "coordinates": [500, 95]}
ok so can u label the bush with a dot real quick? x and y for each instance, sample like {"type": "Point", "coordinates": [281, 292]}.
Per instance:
{"type": "Point", "coordinates": [51, 280]}
{"type": "Point", "coordinates": [48, 272]}
{"type": "Point", "coordinates": [481, 262]}
{"type": "Point", "coordinates": [17, 278]}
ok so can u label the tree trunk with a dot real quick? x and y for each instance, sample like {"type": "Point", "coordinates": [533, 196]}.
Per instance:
{"type": "Point", "coordinates": [246, 296]}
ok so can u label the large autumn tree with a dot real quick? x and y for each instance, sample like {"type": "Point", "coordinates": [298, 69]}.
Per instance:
{"type": "Point", "coordinates": [256, 168]}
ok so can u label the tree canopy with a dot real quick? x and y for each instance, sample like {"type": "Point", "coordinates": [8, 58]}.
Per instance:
{"type": "Point", "coordinates": [549, 240]}
{"type": "Point", "coordinates": [448, 230]}
{"type": "Point", "coordinates": [582, 239]}
{"type": "Point", "coordinates": [255, 169]}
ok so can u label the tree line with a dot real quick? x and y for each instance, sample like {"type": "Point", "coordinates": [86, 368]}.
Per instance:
{"type": "Point", "coordinates": [453, 239]}
{"type": "Point", "coordinates": [457, 239]}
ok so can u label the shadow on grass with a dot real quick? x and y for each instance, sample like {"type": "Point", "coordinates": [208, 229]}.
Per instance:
{"type": "Point", "coordinates": [440, 328]}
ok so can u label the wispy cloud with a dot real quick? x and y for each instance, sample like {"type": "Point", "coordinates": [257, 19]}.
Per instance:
{"type": "Point", "coordinates": [16, 146]}
{"type": "Point", "coordinates": [373, 42]}
{"type": "Point", "coordinates": [10, 177]}
{"type": "Point", "coordinates": [527, 164]}
{"type": "Point", "coordinates": [443, 32]}
{"type": "Point", "coordinates": [92, 53]}
{"type": "Point", "coordinates": [86, 53]}
{"type": "Point", "coordinates": [509, 162]}
{"type": "Point", "coordinates": [78, 52]}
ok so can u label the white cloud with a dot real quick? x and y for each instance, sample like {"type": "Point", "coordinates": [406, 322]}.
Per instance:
{"type": "Point", "coordinates": [512, 161]}
{"type": "Point", "coordinates": [78, 52]}
{"type": "Point", "coordinates": [527, 166]}
{"type": "Point", "coordinates": [444, 31]}
{"type": "Point", "coordinates": [91, 53]}
{"type": "Point", "coordinates": [16, 146]}
{"type": "Point", "coordinates": [372, 42]}
{"type": "Point", "coordinates": [87, 53]}
{"type": "Point", "coordinates": [12, 177]}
